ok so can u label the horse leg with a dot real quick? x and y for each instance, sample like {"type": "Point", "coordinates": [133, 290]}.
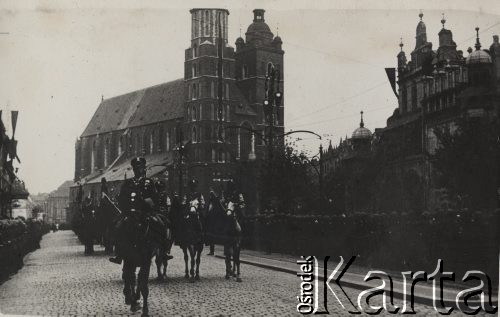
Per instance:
{"type": "Point", "coordinates": [186, 258]}
{"type": "Point", "coordinates": [129, 282]}
{"type": "Point", "coordinates": [158, 262]}
{"type": "Point", "coordinates": [192, 254]}
{"type": "Point", "coordinates": [198, 260]}
{"type": "Point", "coordinates": [236, 258]}
{"type": "Point", "coordinates": [227, 259]}
{"type": "Point", "coordinates": [143, 284]}
{"type": "Point", "coordinates": [165, 264]}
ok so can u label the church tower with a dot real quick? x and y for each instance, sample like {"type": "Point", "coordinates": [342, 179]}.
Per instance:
{"type": "Point", "coordinates": [254, 56]}
{"type": "Point", "coordinates": [208, 73]}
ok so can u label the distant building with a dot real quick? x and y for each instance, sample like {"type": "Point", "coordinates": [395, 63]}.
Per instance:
{"type": "Point", "coordinates": [58, 204]}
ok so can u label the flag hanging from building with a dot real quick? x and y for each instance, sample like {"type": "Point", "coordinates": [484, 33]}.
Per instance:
{"type": "Point", "coordinates": [13, 117]}
{"type": "Point", "coordinates": [391, 74]}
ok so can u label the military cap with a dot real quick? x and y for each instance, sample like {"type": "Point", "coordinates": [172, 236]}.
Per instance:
{"type": "Point", "coordinates": [137, 161]}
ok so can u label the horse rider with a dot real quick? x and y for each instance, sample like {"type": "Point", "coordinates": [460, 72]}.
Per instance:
{"type": "Point", "coordinates": [88, 215]}
{"type": "Point", "coordinates": [210, 221]}
{"type": "Point", "coordinates": [234, 205]}
{"type": "Point", "coordinates": [194, 202]}
{"type": "Point", "coordinates": [164, 208]}
{"type": "Point", "coordinates": [143, 187]}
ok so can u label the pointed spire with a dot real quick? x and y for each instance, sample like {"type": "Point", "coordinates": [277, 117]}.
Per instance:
{"type": "Point", "coordinates": [421, 15]}
{"type": "Point", "coordinates": [361, 124]}
{"type": "Point", "coordinates": [401, 43]}
{"type": "Point", "coordinates": [102, 98]}
{"type": "Point", "coordinates": [278, 29]}
{"type": "Point", "coordinates": [478, 45]}
{"type": "Point", "coordinates": [443, 20]}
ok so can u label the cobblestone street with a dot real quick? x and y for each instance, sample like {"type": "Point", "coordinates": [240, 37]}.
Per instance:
{"type": "Point", "coordinates": [59, 280]}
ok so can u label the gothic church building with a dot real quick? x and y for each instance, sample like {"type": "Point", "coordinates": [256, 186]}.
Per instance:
{"type": "Point", "coordinates": [223, 89]}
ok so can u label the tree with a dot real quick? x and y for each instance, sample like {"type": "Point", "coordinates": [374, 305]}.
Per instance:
{"type": "Point", "coordinates": [286, 182]}
{"type": "Point", "coordinates": [468, 162]}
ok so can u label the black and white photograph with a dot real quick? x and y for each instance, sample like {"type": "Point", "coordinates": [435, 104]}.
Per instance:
{"type": "Point", "coordinates": [249, 158]}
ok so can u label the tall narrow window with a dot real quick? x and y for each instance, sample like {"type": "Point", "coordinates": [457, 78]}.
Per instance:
{"type": "Point", "coordinates": [245, 71]}
{"type": "Point", "coordinates": [227, 91]}
{"type": "Point", "coordinates": [194, 136]}
{"type": "Point", "coordinates": [212, 89]}
{"type": "Point", "coordinates": [106, 152]}
{"type": "Point", "coordinates": [167, 139]}
{"type": "Point", "coordinates": [207, 23]}
{"type": "Point", "coordinates": [193, 114]}
{"type": "Point", "coordinates": [152, 143]}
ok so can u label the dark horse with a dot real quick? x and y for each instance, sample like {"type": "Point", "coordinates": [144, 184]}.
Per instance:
{"type": "Point", "coordinates": [107, 216]}
{"type": "Point", "coordinates": [225, 226]}
{"type": "Point", "coordinates": [188, 234]}
{"type": "Point", "coordinates": [141, 234]}
{"type": "Point", "coordinates": [232, 243]}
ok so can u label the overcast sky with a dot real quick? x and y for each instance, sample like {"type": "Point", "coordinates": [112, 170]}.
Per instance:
{"type": "Point", "coordinates": [59, 58]}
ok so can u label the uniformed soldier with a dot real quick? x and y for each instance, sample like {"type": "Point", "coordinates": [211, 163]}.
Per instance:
{"type": "Point", "coordinates": [164, 207]}
{"type": "Point", "coordinates": [234, 204]}
{"type": "Point", "coordinates": [148, 199]}
{"type": "Point", "coordinates": [194, 203]}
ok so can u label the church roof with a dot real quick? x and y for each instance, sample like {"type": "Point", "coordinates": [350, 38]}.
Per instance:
{"type": "Point", "coordinates": [160, 103]}
{"type": "Point", "coordinates": [150, 105]}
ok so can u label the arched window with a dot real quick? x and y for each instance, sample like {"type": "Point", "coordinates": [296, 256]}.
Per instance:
{"type": "Point", "coordinates": [195, 51]}
{"type": "Point", "coordinates": [194, 136]}
{"type": "Point", "coordinates": [120, 145]}
{"type": "Point", "coordinates": [227, 91]}
{"type": "Point", "coordinates": [106, 152]}
{"type": "Point", "coordinates": [227, 112]}
{"type": "Point", "coordinates": [92, 156]}
{"type": "Point", "coordinates": [207, 23]}
{"type": "Point", "coordinates": [193, 114]}
{"type": "Point", "coordinates": [161, 139]}
{"type": "Point", "coordinates": [152, 142]}
{"type": "Point", "coordinates": [145, 144]}
{"type": "Point", "coordinates": [214, 156]}
{"type": "Point", "coordinates": [244, 72]}
{"type": "Point", "coordinates": [194, 91]}
{"type": "Point", "coordinates": [270, 67]}
{"type": "Point", "coordinates": [168, 140]}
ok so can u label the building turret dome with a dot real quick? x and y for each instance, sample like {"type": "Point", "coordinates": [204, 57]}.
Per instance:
{"type": "Point", "coordinates": [362, 132]}
{"type": "Point", "coordinates": [278, 40]}
{"type": "Point", "coordinates": [421, 28]}
{"type": "Point", "coordinates": [259, 29]}
{"type": "Point", "coordinates": [478, 56]}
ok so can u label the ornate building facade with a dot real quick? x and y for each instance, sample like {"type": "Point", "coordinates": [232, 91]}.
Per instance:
{"type": "Point", "coordinates": [205, 125]}
{"type": "Point", "coordinates": [436, 89]}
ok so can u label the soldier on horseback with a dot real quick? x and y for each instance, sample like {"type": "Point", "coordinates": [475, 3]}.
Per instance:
{"type": "Point", "coordinates": [188, 217]}
{"type": "Point", "coordinates": [162, 254]}
{"type": "Point", "coordinates": [139, 233]}
{"type": "Point", "coordinates": [234, 206]}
